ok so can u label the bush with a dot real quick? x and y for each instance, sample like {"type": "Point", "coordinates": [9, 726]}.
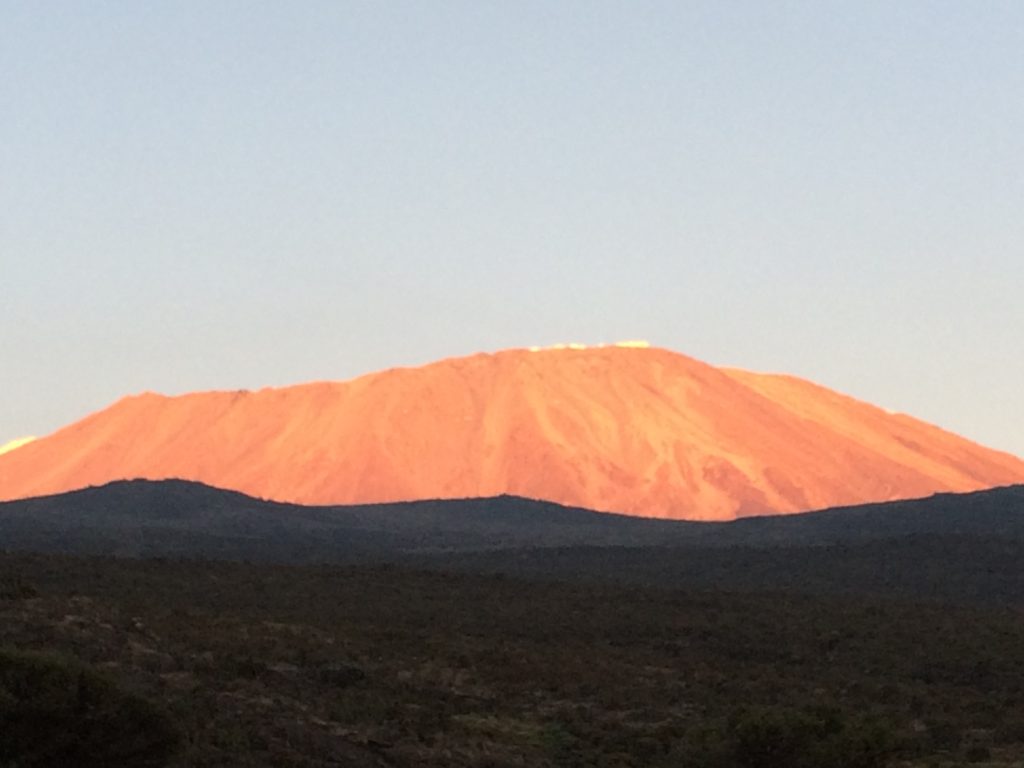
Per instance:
{"type": "Point", "coordinates": [55, 711]}
{"type": "Point", "coordinates": [808, 739]}
{"type": "Point", "coordinates": [14, 588]}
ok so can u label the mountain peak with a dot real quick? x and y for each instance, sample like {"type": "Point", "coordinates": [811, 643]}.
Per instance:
{"type": "Point", "coordinates": [578, 346]}
{"type": "Point", "coordinates": [624, 428]}
{"type": "Point", "coordinates": [14, 444]}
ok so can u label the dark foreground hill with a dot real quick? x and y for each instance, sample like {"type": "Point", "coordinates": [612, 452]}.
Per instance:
{"type": "Point", "coordinates": [176, 517]}
{"type": "Point", "coordinates": [142, 518]}
{"type": "Point", "coordinates": [963, 547]}
{"type": "Point", "coordinates": [490, 633]}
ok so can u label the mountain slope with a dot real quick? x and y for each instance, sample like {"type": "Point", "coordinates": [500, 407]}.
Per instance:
{"type": "Point", "coordinates": [961, 547]}
{"type": "Point", "coordinates": [639, 431]}
{"type": "Point", "coordinates": [15, 444]}
{"type": "Point", "coordinates": [177, 517]}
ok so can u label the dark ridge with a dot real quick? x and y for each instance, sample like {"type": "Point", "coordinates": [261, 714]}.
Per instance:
{"type": "Point", "coordinates": [959, 546]}
{"type": "Point", "coordinates": [127, 506]}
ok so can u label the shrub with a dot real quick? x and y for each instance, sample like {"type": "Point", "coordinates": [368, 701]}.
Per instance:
{"type": "Point", "coordinates": [14, 588]}
{"type": "Point", "coordinates": [808, 739]}
{"type": "Point", "coordinates": [56, 711]}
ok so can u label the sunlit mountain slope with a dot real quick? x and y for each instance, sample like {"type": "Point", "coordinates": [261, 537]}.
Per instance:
{"type": "Point", "coordinates": [641, 431]}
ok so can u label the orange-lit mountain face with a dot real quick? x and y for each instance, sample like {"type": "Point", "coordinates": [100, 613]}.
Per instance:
{"type": "Point", "coordinates": [640, 431]}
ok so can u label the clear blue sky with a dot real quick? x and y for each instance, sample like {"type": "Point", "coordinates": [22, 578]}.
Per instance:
{"type": "Point", "coordinates": [220, 195]}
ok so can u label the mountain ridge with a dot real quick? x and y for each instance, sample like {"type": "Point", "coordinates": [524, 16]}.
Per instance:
{"type": "Point", "coordinates": [639, 431]}
{"type": "Point", "coordinates": [13, 445]}
{"type": "Point", "coordinates": [123, 513]}
{"type": "Point", "coordinates": [960, 547]}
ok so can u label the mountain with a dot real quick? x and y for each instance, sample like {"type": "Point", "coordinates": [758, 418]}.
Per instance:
{"type": "Point", "coordinates": [181, 518]}
{"type": "Point", "coordinates": [639, 431]}
{"type": "Point", "coordinates": [141, 518]}
{"type": "Point", "coordinates": [13, 444]}
{"type": "Point", "coordinates": [960, 547]}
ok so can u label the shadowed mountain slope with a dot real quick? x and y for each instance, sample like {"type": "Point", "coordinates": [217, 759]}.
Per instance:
{"type": "Point", "coordinates": [643, 432]}
{"type": "Point", "coordinates": [963, 548]}
{"type": "Point", "coordinates": [179, 518]}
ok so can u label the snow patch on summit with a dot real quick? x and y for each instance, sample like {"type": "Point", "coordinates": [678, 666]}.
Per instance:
{"type": "Point", "coordinates": [13, 444]}
{"type": "Point", "coordinates": [628, 344]}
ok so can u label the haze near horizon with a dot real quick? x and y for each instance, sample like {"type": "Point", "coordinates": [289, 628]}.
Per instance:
{"type": "Point", "coordinates": [234, 196]}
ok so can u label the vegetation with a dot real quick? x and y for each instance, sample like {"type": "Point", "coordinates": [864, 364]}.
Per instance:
{"type": "Point", "coordinates": [963, 569]}
{"type": "Point", "coordinates": [260, 665]}
{"type": "Point", "coordinates": [55, 711]}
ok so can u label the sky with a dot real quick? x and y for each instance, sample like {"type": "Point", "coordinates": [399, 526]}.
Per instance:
{"type": "Point", "coordinates": [229, 195]}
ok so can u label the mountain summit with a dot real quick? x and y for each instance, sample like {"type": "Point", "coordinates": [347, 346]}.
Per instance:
{"type": "Point", "coordinates": [642, 431]}
{"type": "Point", "coordinates": [13, 445]}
